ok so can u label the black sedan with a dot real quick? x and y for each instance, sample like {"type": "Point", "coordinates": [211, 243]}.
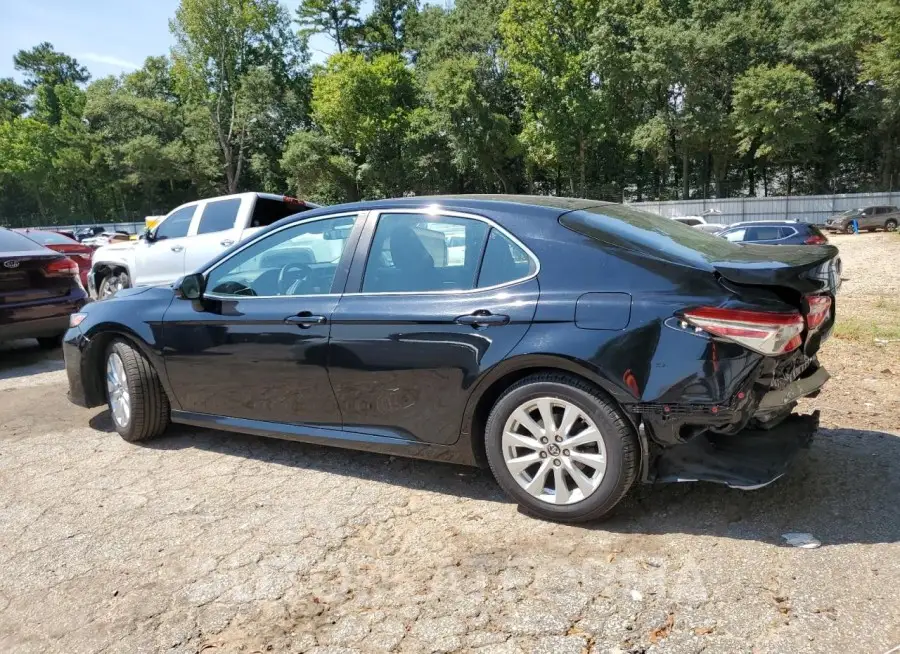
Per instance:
{"type": "Point", "coordinates": [39, 289]}
{"type": "Point", "coordinates": [574, 347]}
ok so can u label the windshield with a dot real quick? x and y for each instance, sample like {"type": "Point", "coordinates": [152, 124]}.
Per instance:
{"type": "Point", "coordinates": [849, 212]}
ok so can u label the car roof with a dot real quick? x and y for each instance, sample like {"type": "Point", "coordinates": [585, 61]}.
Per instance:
{"type": "Point", "coordinates": [484, 202]}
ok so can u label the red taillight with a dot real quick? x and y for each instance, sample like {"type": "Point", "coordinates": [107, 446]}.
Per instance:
{"type": "Point", "coordinates": [64, 267]}
{"type": "Point", "coordinates": [816, 239]}
{"type": "Point", "coordinates": [761, 331]}
{"type": "Point", "coordinates": [819, 310]}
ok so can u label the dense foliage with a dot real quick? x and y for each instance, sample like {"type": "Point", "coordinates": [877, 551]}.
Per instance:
{"type": "Point", "coordinates": [614, 99]}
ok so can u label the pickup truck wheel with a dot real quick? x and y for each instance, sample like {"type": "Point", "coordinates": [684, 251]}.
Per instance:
{"type": "Point", "coordinates": [890, 225]}
{"type": "Point", "coordinates": [136, 398]}
{"type": "Point", "coordinates": [112, 283]}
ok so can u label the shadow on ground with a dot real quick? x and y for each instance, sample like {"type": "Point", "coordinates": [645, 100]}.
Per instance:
{"type": "Point", "coordinates": [844, 489]}
{"type": "Point", "coordinates": [24, 358]}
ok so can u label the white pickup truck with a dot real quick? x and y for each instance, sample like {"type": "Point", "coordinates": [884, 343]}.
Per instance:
{"type": "Point", "coordinates": [185, 239]}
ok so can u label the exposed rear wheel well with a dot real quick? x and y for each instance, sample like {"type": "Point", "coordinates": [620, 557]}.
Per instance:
{"type": "Point", "coordinates": [487, 401]}
{"type": "Point", "coordinates": [104, 270]}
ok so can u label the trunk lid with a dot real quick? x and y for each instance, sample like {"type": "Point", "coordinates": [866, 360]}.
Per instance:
{"type": "Point", "coordinates": [23, 271]}
{"type": "Point", "coordinates": [804, 268]}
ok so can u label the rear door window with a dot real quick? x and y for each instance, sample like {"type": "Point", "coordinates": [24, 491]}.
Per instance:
{"type": "Point", "coordinates": [219, 215]}
{"type": "Point", "coordinates": [415, 253]}
{"type": "Point", "coordinates": [177, 224]}
{"type": "Point", "coordinates": [504, 261]}
{"type": "Point", "coordinates": [764, 233]}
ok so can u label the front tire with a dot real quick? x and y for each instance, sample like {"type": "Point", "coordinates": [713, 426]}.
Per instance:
{"type": "Point", "coordinates": [137, 402]}
{"type": "Point", "coordinates": [848, 228]}
{"type": "Point", "coordinates": [560, 449]}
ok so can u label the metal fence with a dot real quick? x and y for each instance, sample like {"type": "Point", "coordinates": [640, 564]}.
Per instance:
{"type": "Point", "coordinates": [811, 208]}
{"type": "Point", "coordinates": [131, 228]}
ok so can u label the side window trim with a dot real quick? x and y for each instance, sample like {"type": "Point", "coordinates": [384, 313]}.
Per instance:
{"type": "Point", "coordinates": [361, 260]}
{"type": "Point", "coordinates": [199, 209]}
{"type": "Point", "coordinates": [340, 275]}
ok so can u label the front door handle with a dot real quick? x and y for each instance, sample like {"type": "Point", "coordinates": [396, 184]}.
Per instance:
{"type": "Point", "coordinates": [305, 319]}
{"type": "Point", "coordinates": [483, 318]}
{"type": "Point", "coordinates": [177, 248]}
{"type": "Point", "coordinates": [226, 242]}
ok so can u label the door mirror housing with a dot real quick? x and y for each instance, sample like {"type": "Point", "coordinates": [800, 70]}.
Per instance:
{"type": "Point", "coordinates": [190, 287]}
{"type": "Point", "coordinates": [148, 235]}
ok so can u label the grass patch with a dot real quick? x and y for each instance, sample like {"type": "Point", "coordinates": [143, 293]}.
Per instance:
{"type": "Point", "coordinates": [853, 329]}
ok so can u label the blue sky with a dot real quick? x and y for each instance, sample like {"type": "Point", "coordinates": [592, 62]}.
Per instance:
{"type": "Point", "coordinates": [108, 36]}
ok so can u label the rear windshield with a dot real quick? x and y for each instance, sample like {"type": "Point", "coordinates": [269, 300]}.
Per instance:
{"type": "Point", "coordinates": [12, 242]}
{"type": "Point", "coordinates": [815, 230]}
{"type": "Point", "coordinates": [627, 227]}
{"type": "Point", "coordinates": [48, 238]}
{"type": "Point", "coordinates": [269, 211]}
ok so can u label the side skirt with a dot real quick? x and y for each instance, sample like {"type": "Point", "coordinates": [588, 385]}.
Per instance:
{"type": "Point", "coordinates": [378, 440]}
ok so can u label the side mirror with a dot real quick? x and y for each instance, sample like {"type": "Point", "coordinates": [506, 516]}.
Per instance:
{"type": "Point", "coordinates": [190, 287]}
{"type": "Point", "coordinates": [148, 235]}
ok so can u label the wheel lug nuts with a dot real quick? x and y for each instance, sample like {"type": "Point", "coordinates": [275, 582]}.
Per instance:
{"type": "Point", "coordinates": [543, 455]}
{"type": "Point", "coordinates": [565, 452]}
{"type": "Point", "coordinates": [557, 462]}
{"type": "Point", "coordinates": [544, 439]}
{"type": "Point", "coordinates": [559, 439]}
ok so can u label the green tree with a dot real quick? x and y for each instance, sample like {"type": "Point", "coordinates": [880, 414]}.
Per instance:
{"type": "Point", "coordinates": [776, 113]}
{"type": "Point", "coordinates": [339, 19]}
{"type": "Point", "coordinates": [27, 147]}
{"type": "Point", "coordinates": [45, 69]}
{"type": "Point", "coordinates": [220, 47]}
{"type": "Point", "coordinates": [13, 99]}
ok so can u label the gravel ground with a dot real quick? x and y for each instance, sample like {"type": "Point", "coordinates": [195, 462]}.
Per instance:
{"type": "Point", "coordinates": [211, 542]}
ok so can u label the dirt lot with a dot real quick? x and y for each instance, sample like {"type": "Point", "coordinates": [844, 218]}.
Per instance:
{"type": "Point", "coordinates": [205, 541]}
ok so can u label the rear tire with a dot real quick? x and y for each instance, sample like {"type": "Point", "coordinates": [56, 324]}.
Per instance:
{"type": "Point", "coordinates": [137, 402]}
{"type": "Point", "coordinates": [890, 225]}
{"type": "Point", "coordinates": [50, 342]}
{"type": "Point", "coordinates": [112, 283]}
{"type": "Point", "coordinates": [587, 492]}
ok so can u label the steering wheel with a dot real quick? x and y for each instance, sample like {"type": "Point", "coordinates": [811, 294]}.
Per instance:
{"type": "Point", "coordinates": [234, 288]}
{"type": "Point", "coordinates": [290, 275]}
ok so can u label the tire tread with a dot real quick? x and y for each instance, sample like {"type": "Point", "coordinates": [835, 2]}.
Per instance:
{"type": "Point", "coordinates": [150, 408]}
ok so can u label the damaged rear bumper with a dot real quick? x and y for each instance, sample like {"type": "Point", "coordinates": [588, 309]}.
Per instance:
{"type": "Point", "coordinates": [749, 459]}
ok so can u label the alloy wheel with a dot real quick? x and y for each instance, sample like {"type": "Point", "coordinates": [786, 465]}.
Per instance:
{"type": "Point", "coordinates": [554, 450]}
{"type": "Point", "coordinates": [117, 390]}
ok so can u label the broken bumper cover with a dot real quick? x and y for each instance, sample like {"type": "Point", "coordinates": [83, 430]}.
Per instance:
{"type": "Point", "coordinates": [749, 459]}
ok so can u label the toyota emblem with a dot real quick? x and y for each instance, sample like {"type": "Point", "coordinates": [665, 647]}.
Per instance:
{"type": "Point", "coordinates": [12, 263]}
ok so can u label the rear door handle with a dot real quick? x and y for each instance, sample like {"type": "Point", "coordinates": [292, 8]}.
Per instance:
{"type": "Point", "coordinates": [483, 318]}
{"type": "Point", "coordinates": [177, 248]}
{"type": "Point", "coordinates": [305, 319]}
{"type": "Point", "coordinates": [226, 242]}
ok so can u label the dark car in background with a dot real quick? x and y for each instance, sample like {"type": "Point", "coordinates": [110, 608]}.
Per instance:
{"type": "Point", "coordinates": [39, 289]}
{"type": "Point", "coordinates": [574, 347]}
{"type": "Point", "coordinates": [774, 232]}
{"type": "Point", "coordinates": [885, 217]}
{"type": "Point", "coordinates": [80, 254]}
